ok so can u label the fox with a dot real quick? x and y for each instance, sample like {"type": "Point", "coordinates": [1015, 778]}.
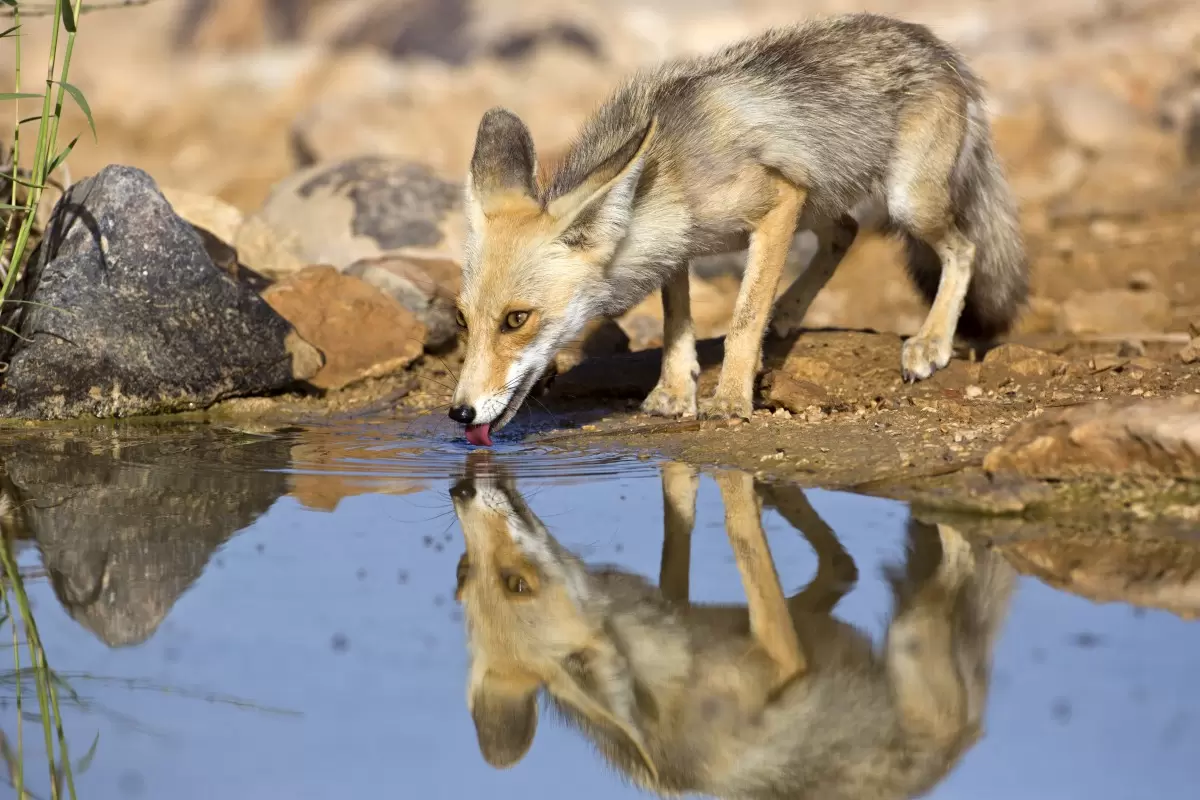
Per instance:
{"type": "Point", "coordinates": [773, 699]}
{"type": "Point", "coordinates": [823, 126]}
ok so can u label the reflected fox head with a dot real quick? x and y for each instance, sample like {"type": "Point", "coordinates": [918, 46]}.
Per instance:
{"type": "Point", "coordinates": [533, 621]}
{"type": "Point", "coordinates": [534, 264]}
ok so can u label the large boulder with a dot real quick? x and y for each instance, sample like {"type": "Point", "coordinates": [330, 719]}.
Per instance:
{"type": "Point", "coordinates": [360, 208]}
{"type": "Point", "coordinates": [125, 313]}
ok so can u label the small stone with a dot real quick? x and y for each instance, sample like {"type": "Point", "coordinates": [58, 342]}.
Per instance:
{"type": "Point", "coordinates": [973, 392]}
{"type": "Point", "coordinates": [363, 332]}
{"type": "Point", "coordinates": [1009, 361]}
{"type": "Point", "coordinates": [1190, 354]}
{"type": "Point", "coordinates": [425, 286]}
{"type": "Point", "coordinates": [1105, 230]}
{"type": "Point", "coordinates": [1142, 281]}
{"type": "Point", "coordinates": [1131, 348]}
{"type": "Point", "coordinates": [213, 215]}
{"type": "Point", "coordinates": [1105, 363]}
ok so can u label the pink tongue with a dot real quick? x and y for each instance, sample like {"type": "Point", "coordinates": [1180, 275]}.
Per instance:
{"type": "Point", "coordinates": [480, 435]}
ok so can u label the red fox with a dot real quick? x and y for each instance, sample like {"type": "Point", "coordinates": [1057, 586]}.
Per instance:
{"type": "Point", "coordinates": [849, 120]}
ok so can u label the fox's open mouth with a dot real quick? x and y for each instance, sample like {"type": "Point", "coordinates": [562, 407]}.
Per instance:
{"type": "Point", "coordinates": [480, 435]}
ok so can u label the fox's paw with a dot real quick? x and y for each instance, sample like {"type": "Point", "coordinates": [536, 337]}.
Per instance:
{"type": "Point", "coordinates": [663, 402]}
{"type": "Point", "coordinates": [720, 407]}
{"type": "Point", "coordinates": [921, 356]}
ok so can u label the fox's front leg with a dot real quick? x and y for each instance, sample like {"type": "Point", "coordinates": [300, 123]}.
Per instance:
{"type": "Point", "coordinates": [675, 394]}
{"type": "Point", "coordinates": [771, 622]}
{"type": "Point", "coordinates": [769, 245]}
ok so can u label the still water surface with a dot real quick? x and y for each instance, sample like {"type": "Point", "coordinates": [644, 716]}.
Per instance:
{"type": "Point", "coordinates": [249, 615]}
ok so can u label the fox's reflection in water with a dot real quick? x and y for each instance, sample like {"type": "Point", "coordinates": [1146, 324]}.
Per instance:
{"type": "Point", "coordinates": [772, 699]}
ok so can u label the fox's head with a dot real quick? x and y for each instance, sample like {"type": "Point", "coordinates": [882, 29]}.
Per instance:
{"type": "Point", "coordinates": [533, 621]}
{"type": "Point", "coordinates": [534, 264]}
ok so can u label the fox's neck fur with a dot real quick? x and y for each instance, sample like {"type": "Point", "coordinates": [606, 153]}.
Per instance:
{"type": "Point", "coordinates": [664, 227]}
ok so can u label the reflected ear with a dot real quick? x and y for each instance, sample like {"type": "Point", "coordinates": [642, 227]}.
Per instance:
{"type": "Point", "coordinates": [599, 209]}
{"type": "Point", "coordinates": [598, 684]}
{"type": "Point", "coordinates": [504, 709]}
{"type": "Point", "coordinates": [503, 172]}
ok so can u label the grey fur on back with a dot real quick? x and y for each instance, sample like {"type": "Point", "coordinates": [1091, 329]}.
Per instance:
{"type": "Point", "coordinates": [821, 103]}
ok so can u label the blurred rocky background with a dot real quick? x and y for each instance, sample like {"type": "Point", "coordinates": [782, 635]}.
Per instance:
{"type": "Point", "coordinates": [316, 148]}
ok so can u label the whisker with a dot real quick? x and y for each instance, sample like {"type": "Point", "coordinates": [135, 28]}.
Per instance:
{"type": "Point", "coordinates": [447, 366]}
{"type": "Point", "coordinates": [434, 380]}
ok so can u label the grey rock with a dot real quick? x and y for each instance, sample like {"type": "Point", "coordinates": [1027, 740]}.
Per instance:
{"type": "Point", "coordinates": [127, 314]}
{"type": "Point", "coordinates": [342, 212]}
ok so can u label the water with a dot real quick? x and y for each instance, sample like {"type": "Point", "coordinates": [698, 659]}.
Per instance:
{"type": "Point", "coordinates": [273, 615]}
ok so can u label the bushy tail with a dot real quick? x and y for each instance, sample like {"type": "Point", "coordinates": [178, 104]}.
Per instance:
{"type": "Point", "coordinates": [986, 214]}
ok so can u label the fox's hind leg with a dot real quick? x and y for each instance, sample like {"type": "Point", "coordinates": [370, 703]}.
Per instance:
{"type": "Point", "coordinates": [837, 573]}
{"type": "Point", "coordinates": [769, 244]}
{"type": "Point", "coordinates": [675, 394]}
{"type": "Point", "coordinates": [920, 198]}
{"type": "Point", "coordinates": [951, 598]}
{"type": "Point", "coordinates": [834, 238]}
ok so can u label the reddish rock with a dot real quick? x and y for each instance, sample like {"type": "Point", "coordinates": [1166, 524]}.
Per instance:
{"type": "Point", "coordinates": [425, 286]}
{"type": "Point", "coordinates": [1015, 361]}
{"type": "Point", "coordinates": [1159, 436]}
{"type": "Point", "coordinates": [362, 331]}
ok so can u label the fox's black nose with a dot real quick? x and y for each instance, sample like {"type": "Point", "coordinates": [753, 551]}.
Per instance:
{"type": "Point", "coordinates": [463, 414]}
{"type": "Point", "coordinates": [463, 491]}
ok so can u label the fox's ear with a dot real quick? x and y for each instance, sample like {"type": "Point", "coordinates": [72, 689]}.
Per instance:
{"type": "Point", "coordinates": [504, 709]}
{"type": "Point", "coordinates": [597, 682]}
{"type": "Point", "coordinates": [598, 210]}
{"type": "Point", "coordinates": [503, 173]}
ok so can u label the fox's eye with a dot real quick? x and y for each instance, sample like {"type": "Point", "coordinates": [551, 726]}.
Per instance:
{"type": "Point", "coordinates": [515, 319]}
{"type": "Point", "coordinates": [515, 584]}
{"type": "Point", "coordinates": [460, 319]}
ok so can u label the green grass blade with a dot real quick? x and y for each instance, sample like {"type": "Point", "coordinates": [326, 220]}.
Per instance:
{"type": "Point", "coordinates": [19, 769]}
{"type": "Point", "coordinates": [10, 32]}
{"type": "Point", "coordinates": [20, 96]}
{"type": "Point", "coordinates": [23, 182]}
{"type": "Point", "coordinates": [85, 762]}
{"type": "Point", "coordinates": [68, 17]}
{"type": "Point", "coordinates": [81, 101]}
{"type": "Point", "coordinates": [61, 157]}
